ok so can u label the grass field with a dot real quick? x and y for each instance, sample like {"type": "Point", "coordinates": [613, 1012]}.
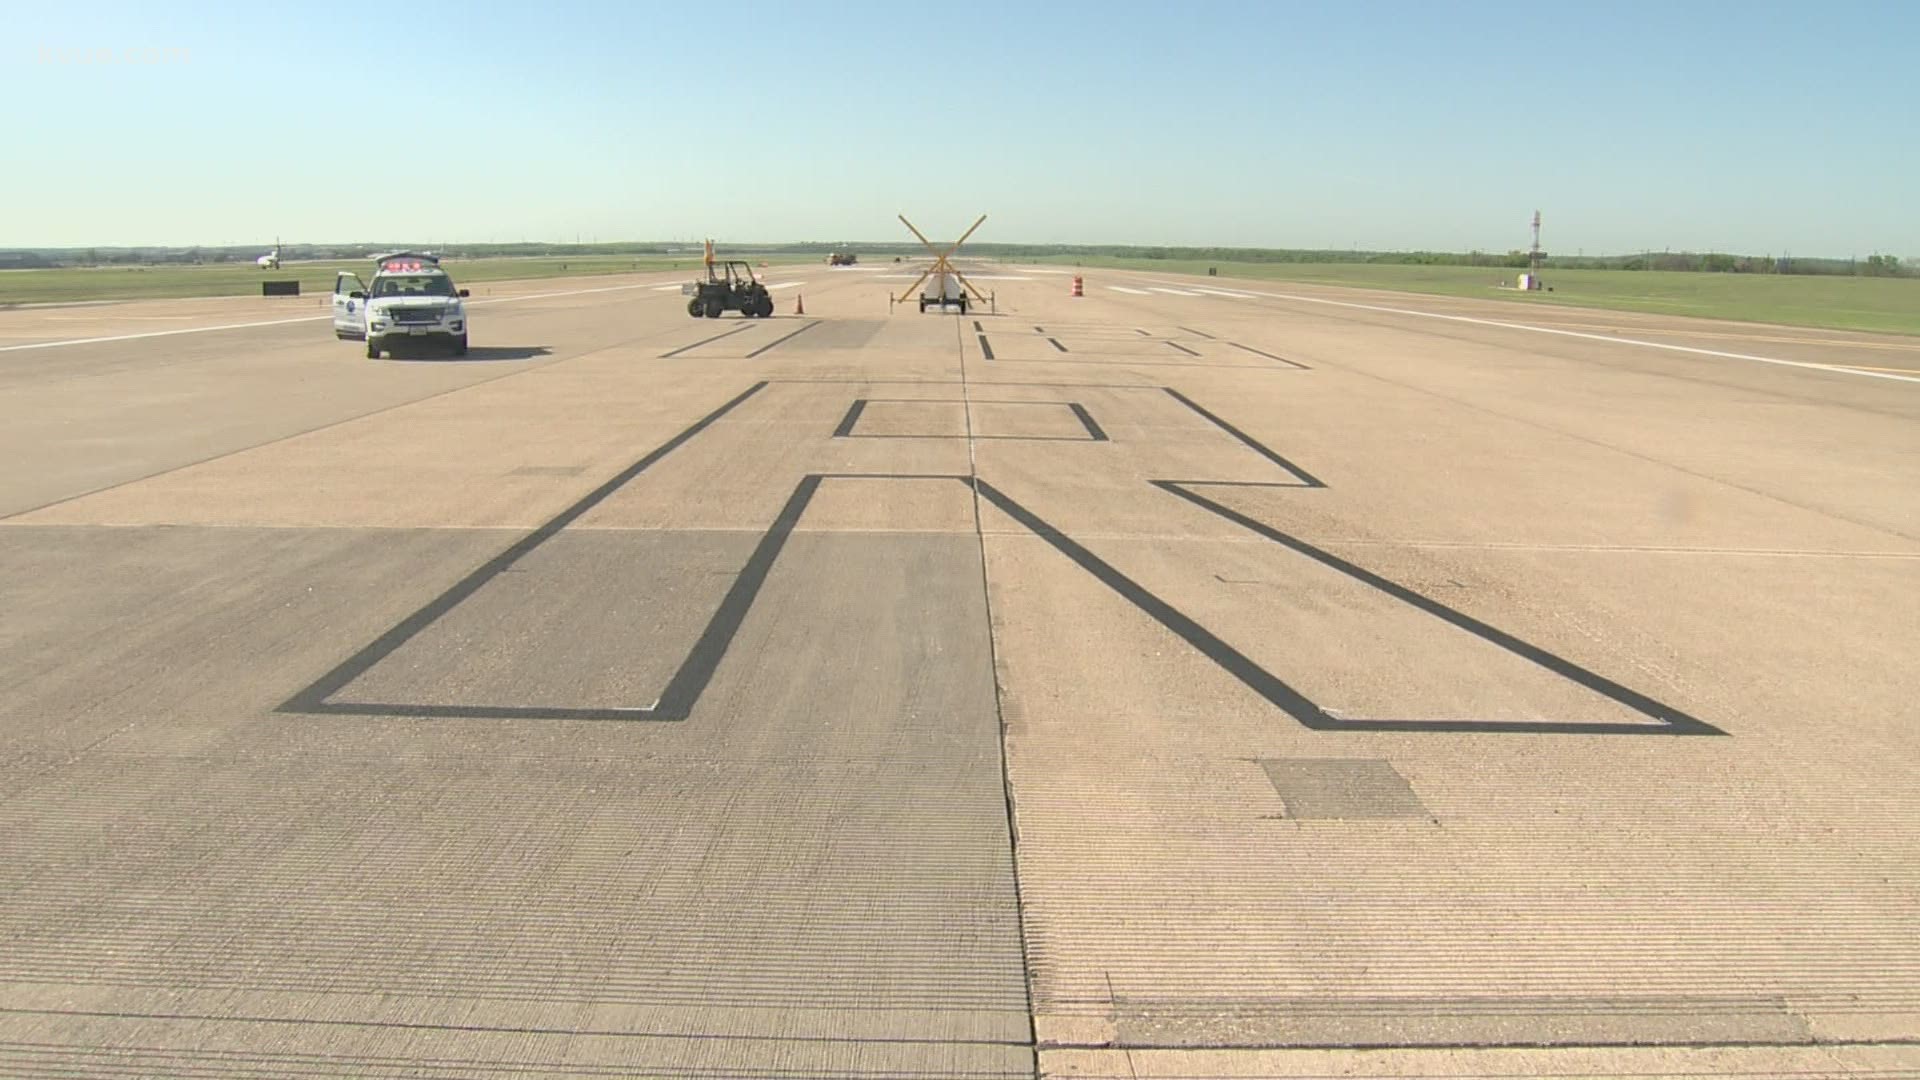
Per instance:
{"type": "Point", "coordinates": [228, 279]}
{"type": "Point", "coordinates": [1888, 305]}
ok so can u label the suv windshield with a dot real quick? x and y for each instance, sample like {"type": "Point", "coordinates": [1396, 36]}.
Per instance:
{"type": "Point", "coordinates": [413, 285]}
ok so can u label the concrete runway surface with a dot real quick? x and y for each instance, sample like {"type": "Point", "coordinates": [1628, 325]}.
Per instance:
{"type": "Point", "coordinates": [1197, 678]}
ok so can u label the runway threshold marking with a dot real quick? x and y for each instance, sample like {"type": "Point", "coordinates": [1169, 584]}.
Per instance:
{"type": "Point", "coordinates": [283, 322]}
{"type": "Point", "coordinates": [1842, 368]}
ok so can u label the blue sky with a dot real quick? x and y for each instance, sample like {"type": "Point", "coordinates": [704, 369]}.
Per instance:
{"type": "Point", "coordinates": [1692, 125]}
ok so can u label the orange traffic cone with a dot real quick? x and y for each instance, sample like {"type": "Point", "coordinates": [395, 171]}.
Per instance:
{"type": "Point", "coordinates": [1076, 286]}
{"type": "Point", "coordinates": [799, 304]}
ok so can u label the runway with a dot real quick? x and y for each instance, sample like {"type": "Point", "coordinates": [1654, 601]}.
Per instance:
{"type": "Point", "coordinates": [1195, 678]}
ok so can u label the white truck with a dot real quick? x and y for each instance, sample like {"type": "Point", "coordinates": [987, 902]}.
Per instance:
{"type": "Point", "coordinates": [411, 300]}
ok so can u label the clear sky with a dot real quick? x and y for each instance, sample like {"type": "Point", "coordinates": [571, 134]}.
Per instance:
{"type": "Point", "coordinates": [1684, 124]}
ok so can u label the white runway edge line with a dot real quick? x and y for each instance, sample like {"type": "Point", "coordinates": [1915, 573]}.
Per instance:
{"type": "Point", "coordinates": [1124, 289]}
{"type": "Point", "coordinates": [283, 322]}
{"type": "Point", "coordinates": [1173, 292]}
{"type": "Point", "coordinates": [1840, 368]}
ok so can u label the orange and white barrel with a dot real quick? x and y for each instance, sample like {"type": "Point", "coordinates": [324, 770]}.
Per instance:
{"type": "Point", "coordinates": [1078, 289]}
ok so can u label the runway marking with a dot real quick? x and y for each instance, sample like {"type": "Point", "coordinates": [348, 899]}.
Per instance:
{"type": "Point", "coordinates": [745, 326]}
{"type": "Point", "coordinates": [1667, 720]}
{"type": "Point", "coordinates": [1621, 549]}
{"type": "Point", "coordinates": [284, 322]}
{"type": "Point", "coordinates": [163, 333]}
{"type": "Point", "coordinates": [1305, 478]}
{"type": "Point", "coordinates": [1896, 347]}
{"type": "Point", "coordinates": [784, 338]}
{"type": "Point", "coordinates": [786, 285]}
{"type": "Point", "coordinates": [687, 683]}
{"type": "Point", "coordinates": [666, 288]}
{"type": "Point", "coordinates": [1841, 368]}
{"type": "Point", "coordinates": [129, 318]}
{"type": "Point", "coordinates": [1173, 292]}
{"type": "Point", "coordinates": [1124, 289]}
{"type": "Point", "coordinates": [1225, 293]}
{"type": "Point", "coordinates": [562, 292]}
{"type": "Point", "coordinates": [1260, 352]}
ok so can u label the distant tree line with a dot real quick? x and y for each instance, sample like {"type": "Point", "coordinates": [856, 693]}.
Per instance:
{"type": "Point", "coordinates": [1875, 265]}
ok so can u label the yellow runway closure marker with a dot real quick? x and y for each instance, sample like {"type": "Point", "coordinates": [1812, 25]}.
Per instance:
{"type": "Point", "coordinates": [940, 266]}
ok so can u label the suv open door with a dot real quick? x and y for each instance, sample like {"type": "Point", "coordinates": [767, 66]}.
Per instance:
{"type": "Point", "coordinates": [349, 305]}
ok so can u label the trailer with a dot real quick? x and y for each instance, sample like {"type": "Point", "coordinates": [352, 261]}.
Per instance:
{"type": "Point", "coordinates": [943, 289]}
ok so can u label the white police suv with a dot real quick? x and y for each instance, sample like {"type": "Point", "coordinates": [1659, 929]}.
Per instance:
{"type": "Point", "coordinates": [410, 301]}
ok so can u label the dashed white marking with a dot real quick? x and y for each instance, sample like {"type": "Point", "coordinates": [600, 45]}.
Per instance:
{"type": "Point", "coordinates": [1669, 347]}
{"type": "Point", "coordinates": [786, 285]}
{"type": "Point", "coordinates": [1124, 289]}
{"type": "Point", "coordinates": [1173, 292]}
{"type": "Point", "coordinates": [1225, 293]}
{"type": "Point", "coordinates": [667, 288]}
